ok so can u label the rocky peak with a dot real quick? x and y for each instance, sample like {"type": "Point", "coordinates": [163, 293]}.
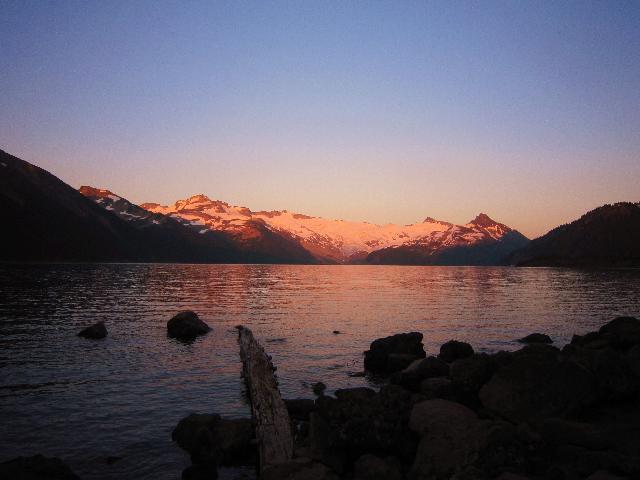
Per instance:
{"type": "Point", "coordinates": [483, 220]}
{"type": "Point", "coordinates": [93, 192]}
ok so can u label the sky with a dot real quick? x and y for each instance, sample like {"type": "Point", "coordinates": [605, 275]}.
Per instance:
{"type": "Point", "coordinates": [381, 111]}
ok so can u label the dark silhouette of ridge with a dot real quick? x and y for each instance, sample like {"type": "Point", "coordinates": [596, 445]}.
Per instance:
{"type": "Point", "coordinates": [608, 236]}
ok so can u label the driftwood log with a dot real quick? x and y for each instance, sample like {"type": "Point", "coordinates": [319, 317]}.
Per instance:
{"type": "Point", "coordinates": [273, 427]}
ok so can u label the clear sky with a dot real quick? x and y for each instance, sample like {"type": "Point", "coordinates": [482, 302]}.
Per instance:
{"type": "Point", "coordinates": [378, 111]}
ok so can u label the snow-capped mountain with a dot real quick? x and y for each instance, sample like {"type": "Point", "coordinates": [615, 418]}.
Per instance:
{"type": "Point", "coordinates": [333, 241]}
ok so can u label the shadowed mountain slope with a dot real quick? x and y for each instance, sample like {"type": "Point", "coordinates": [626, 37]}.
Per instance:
{"type": "Point", "coordinates": [606, 236]}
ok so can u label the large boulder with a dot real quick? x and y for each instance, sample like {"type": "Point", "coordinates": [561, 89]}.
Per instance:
{"type": "Point", "coordinates": [94, 332]}
{"type": "Point", "coordinates": [210, 439]}
{"type": "Point", "coordinates": [538, 384]}
{"type": "Point", "coordinates": [454, 350]}
{"type": "Point", "coordinates": [451, 435]}
{"type": "Point", "coordinates": [469, 374]}
{"type": "Point", "coordinates": [438, 387]}
{"type": "Point", "coordinates": [621, 333]}
{"type": "Point", "coordinates": [36, 467]}
{"type": "Point", "coordinates": [186, 325]}
{"type": "Point", "coordinates": [394, 353]}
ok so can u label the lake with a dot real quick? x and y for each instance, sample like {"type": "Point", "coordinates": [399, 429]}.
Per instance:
{"type": "Point", "coordinates": [83, 400]}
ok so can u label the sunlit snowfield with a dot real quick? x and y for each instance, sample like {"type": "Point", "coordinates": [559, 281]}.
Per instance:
{"type": "Point", "coordinates": [84, 400]}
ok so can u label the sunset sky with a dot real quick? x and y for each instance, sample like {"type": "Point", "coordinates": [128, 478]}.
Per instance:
{"type": "Point", "coordinates": [378, 111]}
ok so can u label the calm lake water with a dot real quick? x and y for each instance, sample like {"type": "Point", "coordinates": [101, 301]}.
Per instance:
{"type": "Point", "coordinates": [84, 400]}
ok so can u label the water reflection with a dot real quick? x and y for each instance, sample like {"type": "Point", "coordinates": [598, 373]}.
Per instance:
{"type": "Point", "coordinates": [83, 401]}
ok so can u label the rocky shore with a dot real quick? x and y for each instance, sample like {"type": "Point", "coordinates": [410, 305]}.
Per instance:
{"type": "Point", "coordinates": [540, 412]}
{"type": "Point", "coordinates": [537, 413]}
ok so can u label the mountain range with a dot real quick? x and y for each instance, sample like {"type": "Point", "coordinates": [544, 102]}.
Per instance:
{"type": "Point", "coordinates": [480, 242]}
{"type": "Point", "coordinates": [48, 220]}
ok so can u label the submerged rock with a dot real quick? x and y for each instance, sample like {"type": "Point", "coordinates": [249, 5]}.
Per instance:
{"type": "Point", "coordinates": [536, 338]}
{"type": "Point", "coordinates": [37, 467]}
{"type": "Point", "coordinates": [95, 332]}
{"type": "Point", "coordinates": [454, 350]}
{"type": "Point", "coordinates": [394, 353]}
{"type": "Point", "coordinates": [186, 325]}
{"type": "Point", "coordinates": [319, 388]}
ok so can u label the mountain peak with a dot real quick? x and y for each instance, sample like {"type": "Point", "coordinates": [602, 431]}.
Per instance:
{"type": "Point", "coordinates": [199, 198]}
{"type": "Point", "coordinates": [93, 192]}
{"type": "Point", "coordinates": [483, 220]}
{"type": "Point", "coordinates": [89, 191]}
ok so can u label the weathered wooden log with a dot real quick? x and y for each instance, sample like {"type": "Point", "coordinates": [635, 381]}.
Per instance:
{"type": "Point", "coordinates": [273, 427]}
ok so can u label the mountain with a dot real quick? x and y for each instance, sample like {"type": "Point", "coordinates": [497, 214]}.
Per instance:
{"type": "Point", "coordinates": [44, 219]}
{"type": "Point", "coordinates": [480, 242]}
{"type": "Point", "coordinates": [255, 243]}
{"type": "Point", "coordinates": [606, 236]}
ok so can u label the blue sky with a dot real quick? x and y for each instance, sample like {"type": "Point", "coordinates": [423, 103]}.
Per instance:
{"type": "Point", "coordinates": [377, 111]}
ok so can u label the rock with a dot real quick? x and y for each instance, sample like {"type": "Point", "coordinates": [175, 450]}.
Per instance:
{"type": "Point", "coordinates": [419, 370]}
{"type": "Point", "coordinates": [438, 387]}
{"type": "Point", "coordinates": [603, 475]}
{"type": "Point", "coordinates": [399, 361]}
{"type": "Point", "coordinates": [394, 353]}
{"type": "Point", "coordinates": [206, 471]}
{"type": "Point", "coordinates": [454, 350]}
{"type": "Point", "coordinates": [94, 332]}
{"type": "Point", "coordinates": [37, 467]}
{"type": "Point", "coordinates": [621, 333]}
{"type": "Point", "coordinates": [337, 332]}
{"type": "Point", "coordinates": [621, 326]}
{"type": "Point", "coordinates": [507, 447]}
{"type": "Point", "coordinates": [451, 434]}
{"type": "Point", "coordinates": [536, 384]}
{"type": "Point", "coordinates": [469, 374]}
{"type": "Point", "coordinates": [324, 445]}
{"type": "Point", "coordinates": [319, 388]}
{"type": "Point", "coordinates": [592, 340]}
{"type": "Point", "coordinates": [536, 338]}
{"type": "Point", "coordinates": [360, 421]}
{"type": "Point", "coordinates": [440, 416]}
{"type": "Point", "coordinates": [299, 469]}
{"type": "Point", "coordinates": [211, 439]}
{"type": "Point", "coordinates": [510, 476]}
{"type": "Point", "coordinates": [370, 467]}
{"type": "Point", "coordinates": [300, 408]}
{"type": "Point", "coordinates": [633, 360]}
{"type": "Point", "coordinates": [355, 394]}
{"type": "Point", "coordinates": [558, 431]}
{"type": "Point", "coordinates": [186, 325]}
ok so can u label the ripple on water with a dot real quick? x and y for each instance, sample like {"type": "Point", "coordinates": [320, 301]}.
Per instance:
{"type": "Point", "coordinates": [85, 401]}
